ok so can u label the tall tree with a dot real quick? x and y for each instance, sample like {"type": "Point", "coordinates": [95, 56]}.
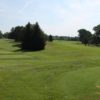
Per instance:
{"type": "Point", "coordinates": [97, 30]}
{"type": "Point", "coordinates": [84, 36]}
{"type": "Point", "coordinates": [34, 38]}
{"type": "Point", "coordinates": [26, 40]}
{"type": "Point", "coordinates": [16, 33]}
{"type": "Point", "coordinates": [1, 34]}
{"type": "Point", "coordinates": [96, 38]}
{"type": "Point", "coordinates": [50, 38]}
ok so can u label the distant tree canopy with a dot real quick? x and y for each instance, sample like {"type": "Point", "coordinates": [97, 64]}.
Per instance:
{"type": "Point", "coordinates": [16, 33]}
{"type": "Point", "coordinates": [96, 36]}
{"type": "Point", "coordinates": [66, 38]}
{"type": "Point", "coordinates": [97, 30]}
{"type": "Point", "coordinates": [31, 37]}
{"type": "Point", "coordinates": [87, 38]}
{"type": "Point", "coordinates": [1, 34]}
{"type": "Point", "coordinates": [50, 38]}
{"type": "Point", "coordinates": [84, 36]}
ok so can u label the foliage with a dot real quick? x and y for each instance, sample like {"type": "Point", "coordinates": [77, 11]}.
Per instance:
{"type": "Point", "coordinates": [1, 34]}
{"type": "Point", "coordinates": [34, 38]}
{"type": "Point", "coordinates": [97, 30]}
{"type": "Point", "coordinates": [66, 38]}
{"type": "Point", "coordinates": [96, 39]}
{"type": "Point", "coordinates": [84, 36]}
{"type": "Point", "coordinates": [16, 33]}
{"type": "Point", "coordinates": [87, 38]}
{"type": "Point", "coordinates": [31, 36]}
{"type": "Point", "coordinates": [50, 38]}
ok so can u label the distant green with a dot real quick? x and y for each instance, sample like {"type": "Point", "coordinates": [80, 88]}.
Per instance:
{"type": "Point", "coordinates": [63, 71]}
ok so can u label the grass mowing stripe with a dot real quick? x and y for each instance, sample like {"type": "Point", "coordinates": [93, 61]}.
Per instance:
{"type": "Point", "coordinates": [65, 70]}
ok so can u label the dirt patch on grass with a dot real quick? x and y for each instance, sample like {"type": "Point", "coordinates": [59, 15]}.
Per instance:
{"type": "Point", "coordinates": [98, 86]}
{"type": "Point", "coordinates": [97, 93]}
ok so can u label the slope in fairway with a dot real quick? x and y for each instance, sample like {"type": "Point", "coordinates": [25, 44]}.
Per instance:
{"type": "Point", "coordinates": [63, 71]}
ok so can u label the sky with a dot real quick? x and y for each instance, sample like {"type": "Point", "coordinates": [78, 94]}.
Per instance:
{"type": "Point", "coordinates": [56, 17]}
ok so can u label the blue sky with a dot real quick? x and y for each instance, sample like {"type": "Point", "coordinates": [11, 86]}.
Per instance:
{"type": "Point", "coordinates": [56, 17]}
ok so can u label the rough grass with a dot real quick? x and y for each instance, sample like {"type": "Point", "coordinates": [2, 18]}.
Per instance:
{"type": "Point", "coordinates": [63, 71]}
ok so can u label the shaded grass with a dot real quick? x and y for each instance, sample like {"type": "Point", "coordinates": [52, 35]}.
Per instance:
{"type": "Point", "coordinates": [63, 71]}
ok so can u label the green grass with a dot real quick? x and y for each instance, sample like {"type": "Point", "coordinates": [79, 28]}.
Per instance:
{"type": "Point", "coordinates": [63, 71]}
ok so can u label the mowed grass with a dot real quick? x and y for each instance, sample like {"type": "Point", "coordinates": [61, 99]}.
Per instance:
{"type": "Point", "coordinates": [63, 71]}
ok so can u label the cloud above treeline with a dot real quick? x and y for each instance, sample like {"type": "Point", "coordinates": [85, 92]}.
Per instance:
{"type": "Point", "coordinates": [56, 17]}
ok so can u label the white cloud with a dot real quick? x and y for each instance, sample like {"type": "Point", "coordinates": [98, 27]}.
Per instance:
{"type": "Point", "coordinates": [62, 17]}
{"type": "Point", "coordinates": [2, 10]}
{"type": "Point", "coordinates": [79, 14]}
{"type": "Point", "coordinates": [26, 5]}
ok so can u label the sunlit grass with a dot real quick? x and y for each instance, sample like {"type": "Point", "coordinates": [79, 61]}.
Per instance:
{"type": "Point", "coordinates": [63, 71]}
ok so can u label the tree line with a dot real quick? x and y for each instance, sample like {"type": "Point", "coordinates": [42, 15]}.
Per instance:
{"type": "Point", "coordinates": [86, 37]}
{"type": "Point", "coordinates": [66, 38]}
{"type": "Point", "coordinates": [30, 37]}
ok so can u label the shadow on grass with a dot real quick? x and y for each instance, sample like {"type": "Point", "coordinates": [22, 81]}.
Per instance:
{"type": "Point", "coordinates": [18, 45]}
